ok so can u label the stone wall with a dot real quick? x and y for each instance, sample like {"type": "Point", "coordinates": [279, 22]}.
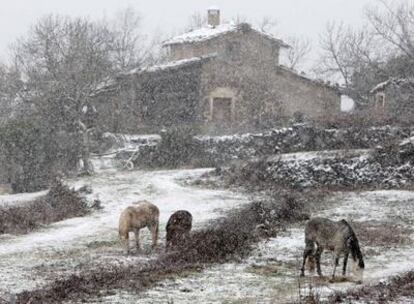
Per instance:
{"type": "Point", "coordinates": [241, 45]}
{"type": "Point", "coordinates": [223, 150]}
{"type": "Point", "coordinates": [299, 94]}
{"type": "Point", "coordinates": [338, 169]}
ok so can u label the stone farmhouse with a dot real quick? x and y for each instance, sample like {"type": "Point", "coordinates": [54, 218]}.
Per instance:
{"type": "Point", "coordinates": [219, 76]}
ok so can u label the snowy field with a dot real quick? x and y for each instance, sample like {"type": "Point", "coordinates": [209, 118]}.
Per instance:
{"type": "Point", "coordinates": [32, 260]}
{"type": "Point", "coordinates": [270, 274]}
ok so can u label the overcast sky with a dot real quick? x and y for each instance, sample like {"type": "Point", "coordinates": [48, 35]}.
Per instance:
{"type": "Point", "coordinates": [295, 17]}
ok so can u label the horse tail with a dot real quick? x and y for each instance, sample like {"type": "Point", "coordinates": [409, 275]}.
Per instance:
{"type": "Point", "coordinates": [353, 245]}
{"type": "Point", "coordinates": [356, 251]}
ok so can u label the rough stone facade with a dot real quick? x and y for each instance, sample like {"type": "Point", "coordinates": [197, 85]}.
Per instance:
{"type": "Point", "coordinates": [219, 77]}
{"type": "Point", "coordinates": [152, 99]}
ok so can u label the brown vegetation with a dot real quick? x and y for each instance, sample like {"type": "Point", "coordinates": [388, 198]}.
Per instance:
{"type": "Point", "coordinates": [383, 234]}
{"type": "Point", "coordinates": [226, 239]}
{"type": "Point", "coordinates": [58, 204]}
{"type": "Point", "coordinates": [398, 286]}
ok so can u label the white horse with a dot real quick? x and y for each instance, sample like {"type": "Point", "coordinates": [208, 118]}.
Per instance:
{"type": "Point", "coordinates": [134, 218]}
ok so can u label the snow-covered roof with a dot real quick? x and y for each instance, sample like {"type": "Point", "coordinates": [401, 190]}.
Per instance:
{"type": "Point", "coordinates": [379, 87]}
{"type": "Point", "coordinates": [208, 32]}
{"type": "Point", "coordinates": [303, 76]}
{"type": "Point", "coordinates": [397, 81]}
{"type": "Point", "coordinates": [169, 65]}
{"type": "Point", "coordinates": [213, 8]}
{"type": "Point", "coordinates": [111, 83]}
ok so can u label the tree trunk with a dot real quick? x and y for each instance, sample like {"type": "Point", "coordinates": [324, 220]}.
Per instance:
{"type": "Point", "coordinates": [87, 164]}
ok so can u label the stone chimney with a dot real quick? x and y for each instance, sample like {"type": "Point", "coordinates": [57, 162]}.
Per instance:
{"type": "Point", "coordinates": [213, 16]}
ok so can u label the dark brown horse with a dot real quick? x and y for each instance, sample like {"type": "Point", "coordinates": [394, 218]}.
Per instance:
{"type": "Point", "coordinates": [178, 228]}
{"type": "Point", "coordinates": [338, 237]}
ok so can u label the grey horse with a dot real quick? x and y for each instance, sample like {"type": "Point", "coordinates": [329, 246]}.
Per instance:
{"type": "Point", "coordinates": [337, 236]}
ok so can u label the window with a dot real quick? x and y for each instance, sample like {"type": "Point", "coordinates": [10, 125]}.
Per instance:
{"type": "Point", "coordinates": [233, 50]}
{"type": "Point", "coordinates": [221, 110]}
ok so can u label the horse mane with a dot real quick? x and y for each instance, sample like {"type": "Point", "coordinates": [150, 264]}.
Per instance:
{"type": "Point", "coordinates": [353, 244]}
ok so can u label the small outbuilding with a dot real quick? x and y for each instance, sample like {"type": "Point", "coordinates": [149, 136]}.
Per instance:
{"type": "Point", "coordinates": [394, 99]}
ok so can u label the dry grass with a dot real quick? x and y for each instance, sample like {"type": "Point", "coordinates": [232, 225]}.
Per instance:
{"type": "Point", "coordinates": [383, 234]}
{"type": "Point", "coordinates": [398, 286]}
{"type": "Point", "coordinates": [229, 238]}
{"type": "Point", "coordinates": [58, 204]}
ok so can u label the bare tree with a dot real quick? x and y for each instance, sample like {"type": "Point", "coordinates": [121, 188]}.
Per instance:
{"type": "Point", "coordinates": [393, 22]}
{"type": "Point", "coordinates": [352, 57]}
{"type": "Point", "coordinates": [239, 19]}
{"type": "Point", "coordinates": [336, 57]}
{"type": "Point", "coordinates": [65, 61]}
{"type": "Point", "coordinates": [131, 48]}
{"type": "Point", "coordinates": [382, 49]}
{"type": "Point", "coordinates": [298, 51]}
{"type": "Point", "coordinates": [267, 24]}
{"type": "Point", "coordinates": [195, 21]}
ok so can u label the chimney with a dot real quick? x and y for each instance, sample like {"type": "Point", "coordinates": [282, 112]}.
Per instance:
{"type": "Point", "coordinates": [213, 16]}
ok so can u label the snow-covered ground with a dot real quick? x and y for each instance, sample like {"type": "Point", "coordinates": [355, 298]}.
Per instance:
{"type": "Point", "coordinates": [13, 199]}
{"type": "Point", "coordinates": [30, 261]}
{"type": "Point", "coordinates": [270, 274]}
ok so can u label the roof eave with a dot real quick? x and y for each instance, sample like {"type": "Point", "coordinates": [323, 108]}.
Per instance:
{"type": "Point", "coordinates": [268, 36]}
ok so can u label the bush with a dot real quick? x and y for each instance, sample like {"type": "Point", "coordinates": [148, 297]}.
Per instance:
{"type": "Point", "coordinates": [178, 147]}
{"type": "Point", "coordinates": [31, 154]}
{"type": "Point", "coordinates": [58, 204]}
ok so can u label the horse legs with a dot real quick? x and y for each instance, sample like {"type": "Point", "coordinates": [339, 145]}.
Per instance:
{"type": "Point", "coordinates": [136, 231]}
{"type": "Point", "coordinates": [124, 239]}
{"type": "Point", "coordinates": [309, 246]}
{"type": "Point", "coordinates": [336, 262]}
{"type": "Point", "coordinates": [154, 233]}
{"type": "Point", "coordinates": [345, 262]}
{"type": "Point", "coordinates": [318, 254]}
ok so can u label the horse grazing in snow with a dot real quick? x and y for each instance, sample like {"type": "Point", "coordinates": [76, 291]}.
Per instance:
{"type": "Point", "coordinates": [178, 228]}
{"type": "Point", "coordinates": [134, 218]}
{"type": "Point", "coordinates": [338, 237]}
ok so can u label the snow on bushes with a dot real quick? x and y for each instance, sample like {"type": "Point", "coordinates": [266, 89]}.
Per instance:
{"type": "Point", "coordinates": [205, 151]}
{"type": "Point", "coordinates": [340, 168]}
{"type": "Point", "coordinates": [300, 137]}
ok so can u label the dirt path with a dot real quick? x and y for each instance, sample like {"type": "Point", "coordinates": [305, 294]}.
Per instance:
{"type": "Point", "coordinates": [385, 225]}
{"type": "Point", "coordinates": [31, 261]}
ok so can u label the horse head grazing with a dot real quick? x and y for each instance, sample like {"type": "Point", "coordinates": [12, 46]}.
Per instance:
{"type": "Point", "coordinates": [178, 228]}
